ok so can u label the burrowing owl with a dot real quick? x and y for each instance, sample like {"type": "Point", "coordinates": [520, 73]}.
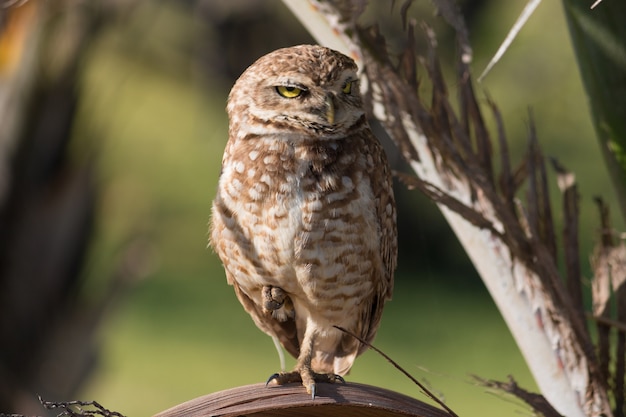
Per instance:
{"type": "Point", "coordinates": [304, 219]}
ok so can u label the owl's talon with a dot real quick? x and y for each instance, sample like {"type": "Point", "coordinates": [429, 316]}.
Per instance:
{"type": "Point", "coordinates": [272, 378]}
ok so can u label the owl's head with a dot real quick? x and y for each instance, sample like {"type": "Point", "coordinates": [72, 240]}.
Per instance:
{"type": "Point", "coordinates": [303, 90]}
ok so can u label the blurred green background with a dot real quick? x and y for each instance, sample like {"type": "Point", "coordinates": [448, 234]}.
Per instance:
{"type": "Point", "coordinates": [153, 89]}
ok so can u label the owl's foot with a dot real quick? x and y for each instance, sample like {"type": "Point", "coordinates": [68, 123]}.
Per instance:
{"type": "Point", "coordinates": [273, 297]}
{"type": "Point", "coordinates": [277, 303]}
{"type": "Point", "coordinates": [307, 377]}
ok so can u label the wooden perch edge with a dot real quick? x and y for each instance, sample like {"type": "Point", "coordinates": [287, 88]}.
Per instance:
{"type": "Point", "coordinates": [349, 399]}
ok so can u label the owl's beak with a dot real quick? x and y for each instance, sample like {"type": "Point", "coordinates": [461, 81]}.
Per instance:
{"type": "Point", "coordinates": [330, 109]}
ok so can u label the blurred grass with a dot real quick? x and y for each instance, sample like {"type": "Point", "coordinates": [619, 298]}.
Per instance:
{"type": "Point", "coordinates": [181, 332]}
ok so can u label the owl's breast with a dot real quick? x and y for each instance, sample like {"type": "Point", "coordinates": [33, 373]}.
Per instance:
{"type": "Point", "coordinates": [255, 214]}
{"type": "Point", "coordinates": [302, 218]}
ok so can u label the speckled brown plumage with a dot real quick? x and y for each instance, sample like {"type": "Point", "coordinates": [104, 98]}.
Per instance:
{"type": "Point", "coordinates": [304, 219]}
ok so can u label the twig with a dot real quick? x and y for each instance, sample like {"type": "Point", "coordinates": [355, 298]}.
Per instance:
{"type": "Point", "coordinates": [75, 409]}
{"type": "Point", "coordinates": [425, 390]}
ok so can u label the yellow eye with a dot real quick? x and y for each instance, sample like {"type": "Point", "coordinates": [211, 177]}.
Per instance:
{"type": "Point", "coordinates": [288, 91]}
{"type": "Point", "coordinates": [347, 87]}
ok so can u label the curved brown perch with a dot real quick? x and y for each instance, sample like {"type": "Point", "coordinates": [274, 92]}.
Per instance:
{"type": "Point", "coordinates": [349, 400]}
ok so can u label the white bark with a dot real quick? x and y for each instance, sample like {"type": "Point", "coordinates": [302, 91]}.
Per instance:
{"type": "Point", "coordinates": [499, 272]}
{"type": "Point", "coordinates": [506, 280]}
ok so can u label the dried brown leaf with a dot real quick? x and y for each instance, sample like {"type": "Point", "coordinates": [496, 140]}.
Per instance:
{"type": "Point", "coordinates": [536, 401]}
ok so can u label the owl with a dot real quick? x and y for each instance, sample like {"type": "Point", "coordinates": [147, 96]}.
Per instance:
{"type": "Point", "coordinates": [304, 218]}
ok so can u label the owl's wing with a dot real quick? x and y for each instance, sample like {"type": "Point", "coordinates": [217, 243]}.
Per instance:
{"type": "Point", "coordinates": [285, 331]}
{"type": "Point", "coordinates": [381, 182]}
{"type": "Point", "coordinates": [382, 187]}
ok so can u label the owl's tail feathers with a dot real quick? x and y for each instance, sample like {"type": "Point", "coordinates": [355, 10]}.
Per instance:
{"type": "Point", "coordinates": [343, 364]}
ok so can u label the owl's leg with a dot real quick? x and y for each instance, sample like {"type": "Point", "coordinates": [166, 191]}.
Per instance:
{"type": "Point", "coordinates": [303, 372]}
